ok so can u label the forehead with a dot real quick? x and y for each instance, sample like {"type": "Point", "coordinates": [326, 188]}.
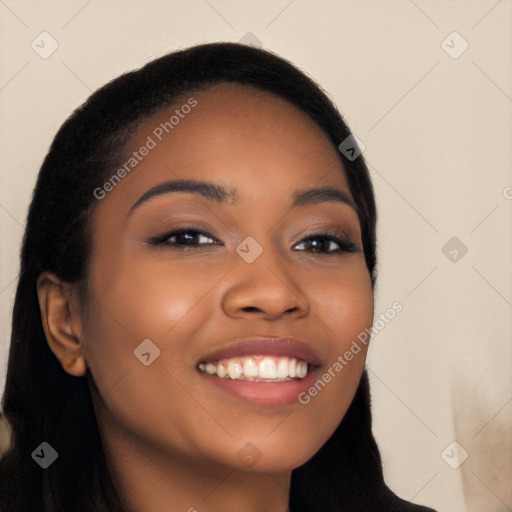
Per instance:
{"type": "Point", "coordinates": [244, 138]}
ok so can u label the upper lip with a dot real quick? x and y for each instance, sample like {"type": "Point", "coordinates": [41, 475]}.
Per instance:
{"type": "Point", "coordinates": [266, 345]}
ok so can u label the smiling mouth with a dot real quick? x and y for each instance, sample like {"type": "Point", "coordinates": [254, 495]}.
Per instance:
{"type": "Point", "coordinates": [257, 368]}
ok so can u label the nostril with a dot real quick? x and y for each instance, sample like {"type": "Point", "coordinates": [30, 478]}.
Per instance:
{"type": "Point", "coordinates": [250, 308]}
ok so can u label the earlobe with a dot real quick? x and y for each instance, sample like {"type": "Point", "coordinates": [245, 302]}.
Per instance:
{"type": "Point", "coordinates": [74, 364]}
{"type": "Point", "coordinates": [61, 321]}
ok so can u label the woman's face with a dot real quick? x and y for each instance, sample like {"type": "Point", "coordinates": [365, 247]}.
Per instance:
{"type": "Point", "coordinates": [258, 273]}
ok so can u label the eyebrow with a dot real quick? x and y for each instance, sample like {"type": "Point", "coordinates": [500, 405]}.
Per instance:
{"type": "Point", "coordinates": [221, 194]}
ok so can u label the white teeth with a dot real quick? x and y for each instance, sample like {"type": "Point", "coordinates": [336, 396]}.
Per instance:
{"type": "Point", "coordinates": [282, 368]}
{"type": "Point", "coordinates": [250, 367]}
{"type": "Point", "coordinates": [267, 369]}
{"type": "Point", "coordinates": [302, 369]}
{"type": "Point", "coordinates": [257, 368]}
{"type": "Point", "coordinates": [221, 370]}
{"type": "Point", "coordinates": [291, 368]}
{"type": "Point", "coordinates": [234, 369]}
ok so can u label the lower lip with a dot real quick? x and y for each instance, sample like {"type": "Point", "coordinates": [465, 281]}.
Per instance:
{"type": "Point", "coordinates": [270, 394]}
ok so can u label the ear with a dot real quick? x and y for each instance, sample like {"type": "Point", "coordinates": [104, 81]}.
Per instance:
{"type": "Point", "coordinates": [6, 436]}
{"type": "Point", "coordinates": [60, 315]}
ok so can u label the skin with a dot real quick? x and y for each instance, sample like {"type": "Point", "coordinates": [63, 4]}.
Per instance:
{"type": "Point", "coordinates": [171, 438]}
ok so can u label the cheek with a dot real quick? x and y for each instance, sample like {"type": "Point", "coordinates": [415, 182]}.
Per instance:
{"type": "Point", "coordinates": [136, 301]}
{"type": "Point", "coordinates": [346, 312]}
{"type": "Point", "coordinates": [344, 303]}
{"type": "Point", "coordinates": [129, 307]}
{"type": "Point", "coordinates": [131, 303]}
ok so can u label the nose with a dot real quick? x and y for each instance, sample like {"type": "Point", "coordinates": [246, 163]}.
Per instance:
{"type": "Point", "coordinates": [263, 289]}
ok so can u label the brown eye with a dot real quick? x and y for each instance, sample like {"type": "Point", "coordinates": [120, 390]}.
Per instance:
{"type": "Point", "coordinates": [327, 243]}
{"type": "Point", "coordinates": [185, 237]}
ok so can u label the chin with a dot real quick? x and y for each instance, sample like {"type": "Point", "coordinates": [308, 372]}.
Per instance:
{"type": "Point", "coordinates": [250, 459]}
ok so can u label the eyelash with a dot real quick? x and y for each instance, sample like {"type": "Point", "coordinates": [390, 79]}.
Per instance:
{"type": "Point", "coordinates": [345, 245]}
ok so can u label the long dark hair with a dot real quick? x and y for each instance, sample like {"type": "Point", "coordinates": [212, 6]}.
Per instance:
{"type": "Point", "coordinates": [42, 401]}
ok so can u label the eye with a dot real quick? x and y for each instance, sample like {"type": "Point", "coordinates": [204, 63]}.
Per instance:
{"type": "Point", "coordinates": [327, 242]}
{"type": "Point", "coordinates": [190, 237]}
{"type": "Point", "coordinates": [186, 237]}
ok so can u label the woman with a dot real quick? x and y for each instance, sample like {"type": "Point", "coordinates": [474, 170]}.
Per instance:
{"type": "Point", "coordinates": [198, 258]}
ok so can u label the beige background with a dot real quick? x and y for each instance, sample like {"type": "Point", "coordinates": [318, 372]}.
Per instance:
{"type": "Point", "coordinates": [437, 131]}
